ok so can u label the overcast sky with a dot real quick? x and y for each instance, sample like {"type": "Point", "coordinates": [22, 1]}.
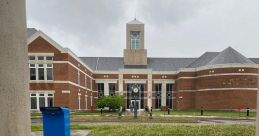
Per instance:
{"type": "Point", "coordinates": [173, 28]}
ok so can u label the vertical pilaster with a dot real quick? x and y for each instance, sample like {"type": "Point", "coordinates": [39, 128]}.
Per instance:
{"type": "Point", "coordinates": [120, 84]}
{"type": "Point", "coordinates": [163, 97]}
{"type": "Point", "coordinates": [14, 84]}
{"type": "Point", "coordinates": [149, 96]}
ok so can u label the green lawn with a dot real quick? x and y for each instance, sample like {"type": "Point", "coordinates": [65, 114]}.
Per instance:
{"type": "Point", "coordinates": [145, 119]}
{"type": "Point", "coordinates": [194, 130]}
{"type": "Point", "coordinates": [222, 113]}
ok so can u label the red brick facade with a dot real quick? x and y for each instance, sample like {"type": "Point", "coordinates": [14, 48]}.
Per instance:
{"type": "Point", "coordinates": [211, 88]}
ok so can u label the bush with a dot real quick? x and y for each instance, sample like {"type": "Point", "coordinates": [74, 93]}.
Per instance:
{"type": "Point", "coordinates": [113, 102]}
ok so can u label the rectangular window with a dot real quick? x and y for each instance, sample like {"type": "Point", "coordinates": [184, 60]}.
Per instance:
{"type": "Point", "coordinates": [32, 72]}
{"type": "Point", "coordinates": [40, 57]}
{"type": "Point", "coordinates": [42, 101]}
{"type": "Point", "coordinates": [33, 103]}
{"type": "Point", "coordinates": [31, 57]}
{"type": "Point", "coordinates": [50, 101]}
{"type": "Point", "coordinates": [100, 88]}
{"type": "Point", "coordinates": [135, 39]}
{"type": "Point", "coordinates": [49, 71]}
{"type": "Point", "coordinates": [78, 77]}
{"type": "Point", "coordinates": [49, 58]}
{"type": "Point", "coordinates": [40, 72]}
{"type": "Point", "coordinates": [111, 89]}
{"type": "Point", "coordinates": [158, 95]}
{"type": "Point", "coordinates": [85, 81]}
{"type": "Point", "coordinates": [169, 95]}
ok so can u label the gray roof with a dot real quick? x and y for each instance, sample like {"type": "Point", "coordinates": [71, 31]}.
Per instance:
{"type": "Point", "coordinates": [116, 63]}
{"type": "Point", "coordinates": [30, 32]}
{"type": "Point", "coordinates": [203, 60]}
{"type": "Point", "coordinates": [227, 56]}
{"type": "Point", "coordinates": [135, 21]}
{"type": "Point", "coordinates": [230, 56]}
{"type": "Point", "coordinates": [255, 60]}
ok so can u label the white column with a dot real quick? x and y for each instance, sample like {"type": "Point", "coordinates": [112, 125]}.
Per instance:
{"type": "Point", "coordinates": [106, 89]}
{"type": "Point", "coordinates": [79, 101]}
{"type": "Point", "coordinates": [163, 97]}
{"type": "Point", "coordinates": [14, 84]}
{"type": "Point", "coordinates": [120, 84]}
{"type": "Point", "coordinates": [86, 102]}
{"type": "Point", "coordinates": [149, 93]}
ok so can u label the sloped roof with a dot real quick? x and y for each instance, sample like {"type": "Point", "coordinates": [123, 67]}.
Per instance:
{"type": "Point", "coordinates": [203, 60]}
{"type": "Point", "coordinates": [230, 56]}
{"type": "Point", "coordinates": [135, 21]}
{"type": "Point", "coordinates": [255, 60]}
{"type": "Point", "coordinates": [116, 63]}
{"type": "Point", "coordinates": [31, 31]}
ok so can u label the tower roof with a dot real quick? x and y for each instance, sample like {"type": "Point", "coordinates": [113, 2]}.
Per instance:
{"type": "Point", "coordinates": [135, 21]}
{"type": "Point", "coordinates": [230, 56]}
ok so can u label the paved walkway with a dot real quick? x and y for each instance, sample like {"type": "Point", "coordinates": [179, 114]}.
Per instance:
{"type": "Point", "coordinates": [74, 133]}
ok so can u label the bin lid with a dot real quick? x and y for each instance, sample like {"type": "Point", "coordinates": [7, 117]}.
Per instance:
{"type": "Point", "coordinates": [53, 109]}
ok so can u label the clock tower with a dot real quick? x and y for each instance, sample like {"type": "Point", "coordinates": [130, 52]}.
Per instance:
{"type": "Point", "coordinates": [135, 52]}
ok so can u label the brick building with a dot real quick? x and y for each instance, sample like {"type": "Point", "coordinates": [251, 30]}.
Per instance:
{"type": "Point", "coordinates": [215, 80]}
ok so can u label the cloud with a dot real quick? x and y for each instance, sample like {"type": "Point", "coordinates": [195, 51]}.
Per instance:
{"type": "Point", "coordinates": [173, 28]}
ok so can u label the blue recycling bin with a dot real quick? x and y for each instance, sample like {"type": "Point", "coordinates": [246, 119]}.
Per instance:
{"type": "Point", "coordinates": [56, 121]}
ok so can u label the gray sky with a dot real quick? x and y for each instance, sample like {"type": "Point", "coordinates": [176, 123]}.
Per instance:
{"type": "Point", "coordinates": [173, 28]}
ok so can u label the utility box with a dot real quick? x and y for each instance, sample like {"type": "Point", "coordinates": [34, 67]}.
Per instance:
{"type": "Point", "coordinates": [56, 121]}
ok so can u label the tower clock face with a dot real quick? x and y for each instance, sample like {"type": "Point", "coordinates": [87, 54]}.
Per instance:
{"type": "Point", "coordinates": [135, 90]}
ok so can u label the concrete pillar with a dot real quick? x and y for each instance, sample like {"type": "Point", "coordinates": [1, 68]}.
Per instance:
{"type": "Point", "coordinates": [14, 85]}
{"type": "Point", "coordinates": [257, 108]}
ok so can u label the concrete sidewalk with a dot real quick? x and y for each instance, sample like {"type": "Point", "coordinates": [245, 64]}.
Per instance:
{"type": "Point", "coordinates": [74, 133]}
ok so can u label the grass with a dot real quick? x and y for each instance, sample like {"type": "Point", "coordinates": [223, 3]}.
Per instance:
{"type": "Point", "coordinates": [145, 119]}
{"type": "Point", "coordinates": [221, 113]}
{"type": "Point", "coordinates": [194, 130]}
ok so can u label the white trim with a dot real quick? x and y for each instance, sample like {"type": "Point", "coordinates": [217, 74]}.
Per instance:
{"type": "Point", "coordinates": [184, 91]}
{"type": "Point", "coordinates": [137, 81]}
{"type": "Point", "coordinates": [67, 62]}
{"type": "Point", "coordinates": [164, 81]}
{"type": "Point", "coordinates": [224, 74]}
{"type": "Point", "coordinates": [64, 82]}
{"type": "Point", "coordinates": [105, 81]}
{"type": "Point", "coordinates": [39, 33]}
{"type": "Point", "coordinates": [219, 89]}
{"type": "Point", "coordinates": [65, 91]}
{"type": "Point", "coordinates": [229, 74]}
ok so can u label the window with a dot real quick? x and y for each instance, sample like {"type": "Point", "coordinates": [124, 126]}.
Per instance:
{"type": "Point", "coordinates": [169, 95]}
{"type": "Point", "coordinates": [135, 39]}
{"type": "Point", "coordinates": [78, 77]}
{"type": "Point", "coordinates": [40, 57]}
{"type": "Point", "coordinates": [111, 89]}
{"type": "Point", "coordinates": [31, 57]}
{"type": "Point", "coordinates": [158, 95]}
{"type": "Point", "coordinates": [40, 72]}
{"type": "Point", "coordinates": [49, 71]}
{"type": "Point", "coordinates": [100, 88]}
{"type": "Point", "coordinates": [85, 81]}
{"type": "Point", "coordinates": [49, 58]}
{"type": "Point", "coordinates": [33, 101]}
{"type": "Point", "coordinates": [32, 72]}
{"type": "Point", "coordinates": [41, 99]}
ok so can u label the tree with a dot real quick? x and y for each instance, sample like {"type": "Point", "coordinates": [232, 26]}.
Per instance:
{"type": "Point", "coordinates": [113, 102]}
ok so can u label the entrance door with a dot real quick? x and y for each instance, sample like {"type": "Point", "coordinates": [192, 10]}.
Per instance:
{"type": "Point", "coordinates": [137, 103]}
